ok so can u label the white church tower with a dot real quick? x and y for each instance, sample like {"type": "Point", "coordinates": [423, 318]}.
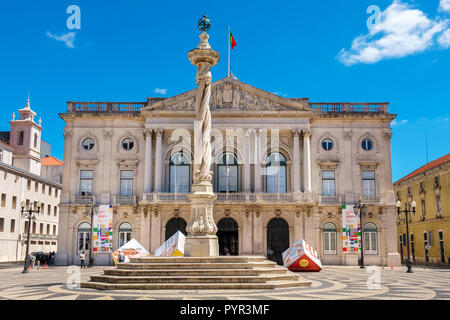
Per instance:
{"type": "Point", "coordinates": [25, 137]}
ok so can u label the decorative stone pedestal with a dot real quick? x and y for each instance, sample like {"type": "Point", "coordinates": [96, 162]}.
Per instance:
{"type": "Point", "coordinates": [202, 240]}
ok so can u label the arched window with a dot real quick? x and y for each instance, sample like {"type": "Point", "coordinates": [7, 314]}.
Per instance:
{"type": "Point", "coordinates": [227, 173]}
{"type": "Point", "coordinates": [125, 231]}
{"type": "Point", "coordinates": [276, 173]}
{"type": "Point", "coordinates": [370, 238]}
{"type": "Point", "coordinates": [329, 238]}
{"type": "Point", "coordinates": [84, 237]}
{"type": "Point", "coordinates": [179, 173]}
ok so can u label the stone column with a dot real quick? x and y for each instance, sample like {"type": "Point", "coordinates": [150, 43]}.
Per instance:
{"type": "Point", "coordinates": [202, 240]}
{"type": "Point", "coordinates": [158, 161]}
{"type": "Point", "coordinates": [148, 161]}
{"type": "Point", "coordinates": [247, 159]}
{"type": "Point", "coordinates": [307, 161]}
{"type": "Point", "coordinates": [296, 164]}
{"type": "Point", "coordinates": [257, 168]}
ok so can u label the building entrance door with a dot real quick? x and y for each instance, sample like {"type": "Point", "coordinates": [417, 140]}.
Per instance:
{"type": "Point", "coordinates": [277, 239]}
{"type": "Point", "coordinates": [174, 225]}
{"type": "Point", "coordinates": [228, 234]}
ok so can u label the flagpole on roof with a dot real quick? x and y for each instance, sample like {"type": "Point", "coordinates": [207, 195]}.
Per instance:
{"type": "Point", "coordinates": [229, 51]}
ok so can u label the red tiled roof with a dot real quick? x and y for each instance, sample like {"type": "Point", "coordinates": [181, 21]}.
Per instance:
{"type": "Point", "coordinates": [51, 161]}
{"type": "Point", "coordinates": [426, 167]}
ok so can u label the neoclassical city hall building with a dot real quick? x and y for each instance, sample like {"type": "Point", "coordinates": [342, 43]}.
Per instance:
{"type": "Point", "coordinates": [282, 169]}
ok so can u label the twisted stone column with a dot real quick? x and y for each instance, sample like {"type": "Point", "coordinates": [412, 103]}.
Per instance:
{"type": "Point", "coordinates": [202, 240]}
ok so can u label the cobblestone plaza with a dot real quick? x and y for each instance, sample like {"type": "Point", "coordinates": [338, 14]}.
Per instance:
{"type": "Point", "coordinates": [333, 283]}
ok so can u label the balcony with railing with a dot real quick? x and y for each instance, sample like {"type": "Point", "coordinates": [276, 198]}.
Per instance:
{"type": "Point", "coordinates": [335, 107]}
{"type": "Point", "coordinates": [124, 200]}
{"type": "Point", "coordinates": [370, 199]}
{"type": "Point", "coordinates": [105, 107]}
{"type": "Point", "coordinates": [84, 199]}
{"type": "Point", "coordinates": [330, 199]}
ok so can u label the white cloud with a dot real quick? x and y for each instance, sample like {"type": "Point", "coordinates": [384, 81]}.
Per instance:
{"type": "Point", "coordinates": [401, 31]}
{"type": "Point", "coordinates": [445, 5]}
{"type": "Point", "coordinates": [68, 38]}
{"type": "Point", "coordinates": [444, 39]}
{"type": "Point", "coordinates": [398, 123]}
{"type": "Point", "coordinates": [161, 91]}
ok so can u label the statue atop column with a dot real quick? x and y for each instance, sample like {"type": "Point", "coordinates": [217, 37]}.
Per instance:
{"type": "Point", "coordinates": [201, 229]}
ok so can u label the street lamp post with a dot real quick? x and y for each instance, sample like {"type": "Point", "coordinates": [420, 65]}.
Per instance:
{"type": "Point", "coordinates": [30, 213]}
{"type": "Point", "coordinates": [91, 209]}
{"type": "Point", "coordinates": [362, 209]}
{"type": "Point", "coordinates": [409, 208]}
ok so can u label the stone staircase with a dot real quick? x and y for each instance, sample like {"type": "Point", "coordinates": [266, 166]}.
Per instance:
{"type": "Point", "coordinates": [194, 273]}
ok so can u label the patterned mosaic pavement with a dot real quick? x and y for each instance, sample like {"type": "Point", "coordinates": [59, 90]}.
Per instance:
{"type": "Point", "coordinates": [334, 282]}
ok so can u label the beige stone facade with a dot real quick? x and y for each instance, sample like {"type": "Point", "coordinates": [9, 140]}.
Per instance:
{"type": "Point", "coordinates": [322, 165]}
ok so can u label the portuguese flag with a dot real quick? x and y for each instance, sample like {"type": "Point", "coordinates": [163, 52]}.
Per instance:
{"type": "Point", "coordinates": [232, 41]}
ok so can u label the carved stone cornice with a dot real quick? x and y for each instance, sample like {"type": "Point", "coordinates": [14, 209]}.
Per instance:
{"type": "Point", "coordinates": [67, 135]}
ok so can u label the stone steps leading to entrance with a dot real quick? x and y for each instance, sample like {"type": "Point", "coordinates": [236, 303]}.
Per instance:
{"type": "Point", "coordinates": [189, 272]}
{"type": "Point", "coordinates": [196, 273]}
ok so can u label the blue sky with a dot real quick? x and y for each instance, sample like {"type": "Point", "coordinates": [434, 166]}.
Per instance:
{"type": "Point", "coordinates": [130, 50]}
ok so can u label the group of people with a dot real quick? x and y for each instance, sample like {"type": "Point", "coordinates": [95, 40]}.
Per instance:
{"type": "Point", "coordinates": [41, 259]}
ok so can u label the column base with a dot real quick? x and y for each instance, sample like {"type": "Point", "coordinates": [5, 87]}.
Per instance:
{"type": "Point", "coordinates": [201, 246]}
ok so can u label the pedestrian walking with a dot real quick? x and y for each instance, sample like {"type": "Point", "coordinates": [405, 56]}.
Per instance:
{"type": "Point", "coordinates": [82, 258]}
{"type": "Point", "coordinates": [52, 259]}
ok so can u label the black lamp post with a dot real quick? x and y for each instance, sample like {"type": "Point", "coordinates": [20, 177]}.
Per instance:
{"type": "Point", "coordinates": [30, 214]}
{"type": "Point", "coordinates": [91, 209]}
{"type": "Point", "coordinates": [362, 209]}
{"type": "Point", "coordinates": [409, 208]}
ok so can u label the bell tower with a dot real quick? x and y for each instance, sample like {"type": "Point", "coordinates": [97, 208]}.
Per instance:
{"type": "Point", "coordinates": [25, 137]}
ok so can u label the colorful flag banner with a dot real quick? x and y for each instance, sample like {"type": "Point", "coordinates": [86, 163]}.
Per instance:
{"type": "Point", "coordinates": [103, 230]}
{"type": "Point", "coordinates": [351, 230]}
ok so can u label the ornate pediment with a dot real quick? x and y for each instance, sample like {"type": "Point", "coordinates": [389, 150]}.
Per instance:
{"type": "Point", "coordinates": [231, 95]}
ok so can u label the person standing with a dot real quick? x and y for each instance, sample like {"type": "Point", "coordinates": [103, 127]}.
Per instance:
{"type": "Point", "coordinates": [82, 258]}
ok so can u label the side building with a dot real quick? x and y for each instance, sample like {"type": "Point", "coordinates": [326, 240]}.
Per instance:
{"type": "Point", "coordinates": [429, 230]}
{"type": "Point", "coordinates": [22, 181]}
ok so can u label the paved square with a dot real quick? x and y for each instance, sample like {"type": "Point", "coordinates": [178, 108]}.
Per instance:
{"type": "Point", "coordinates": [334, 282]}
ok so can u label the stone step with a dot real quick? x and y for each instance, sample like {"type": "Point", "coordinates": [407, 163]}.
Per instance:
{"type": "Point", "coordinates": [193, 279]}
{"type": "Point", "coordinates": [190, 272]}
{"type": "Point", "coordinates": [199, 265]}
{"type": "Point", "coordinates": [194, 286]}
{"type": "Point", "coordinates": [219, 259]}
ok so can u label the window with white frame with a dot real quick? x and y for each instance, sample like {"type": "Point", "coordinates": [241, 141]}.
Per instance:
{"type": "Point", "coordinates": [125, 232]}
{"type": "Point", "coordinates": [328, 183]}
{"type": "Point", "coordinates": [329, 238]}
{"type": "Point", "coordinates": [227, 173]}
{"type": "Point", "coordinates": [179, 173]}
{"type": "Point", "coordinates": [84, 237]}
{"type": "Point", "coordinates": [126, 182]}
{"type": "Point", "coordinates": [368, 183]}
{"type": "Point", "coordinates": [276, 173]}
{"type": "Point", "coordinates": [370, 238]}
{"type": "Point", "coordinates": [86, 178]}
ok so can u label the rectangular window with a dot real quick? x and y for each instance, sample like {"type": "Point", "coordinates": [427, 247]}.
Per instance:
{"type": "Point", "coordinates": [36, 186]}
{"type": "Point", "coordinates": [55, 211]}
{"type": "Point", "coordinates": [368, 183]}
{"type": "Point", "coordinates": [126, 183]}
{"type": "Point", "coordinates": [2, 224]}
{"type": "Point", "coordinates": [48, 229]}
{"type": "Point", "coordinates": [43, 188]}
{"type": "Point", "coordinates": [42, 208]}
{"type": "Point", "coordinates": [27, 204]}
{"type": "Point", "coordinates": [328, 183]}
{"type": "Point", "coordinates": [49, 191]}
{"type": "Point", "coordinates": [54, 230]}
{"type": "Point", "coordinates": [227, 176]}
{"type": "Point", "coordinates": [56, 192]}
{"type": "Point", "coordinates": [14, 202]}
{"type": "Point", "coordinates": [13, 225]}
{"type": "Point", "coordinates": [49, 209]}
{"type": "Point", "coordinates": [20, 138]}
{"type": "Point", "coordinates": [3, 200]}
{"type": "Point", "coordinates": [86, 177]}
{"type": "Point", "coordinates": [28, 185]}
{"type": "Point", "coordinates": [34, 227]}
{"type": "Point", "coordinates": [41, 228]}
{"type": "Point", "coordinates": [25, 227]}
{"type": "Point", "coordinates": [438, 203]}
{"type": "Point", "coordinates": [423, 207]}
